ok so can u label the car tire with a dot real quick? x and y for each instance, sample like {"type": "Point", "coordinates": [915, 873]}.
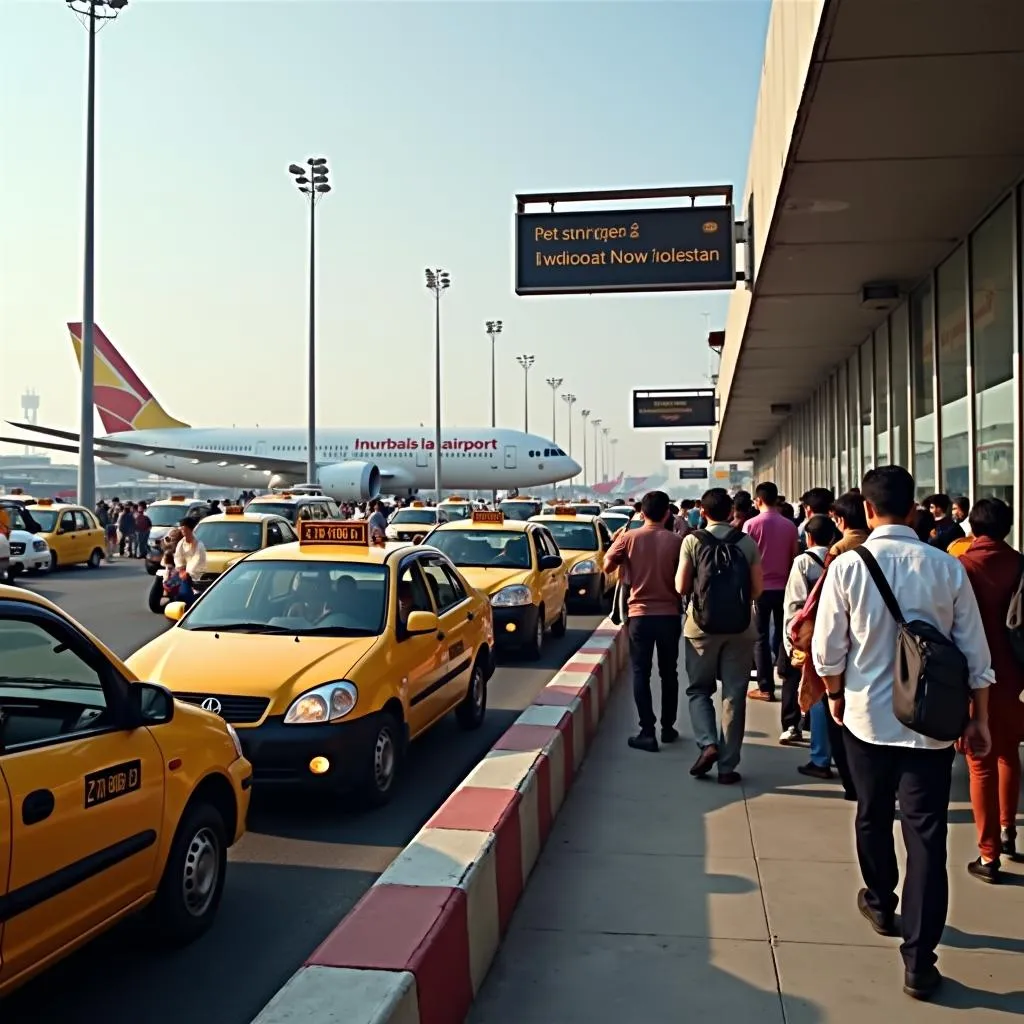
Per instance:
{"type": "Point", "coordinates": [532, 647]}
{"type": "Point", "coordinates": [193, 879]}
{"type": "Point", "coordinates": [471, 712]}
{"type": "Point", "coordinates": [383, 760]}
{"type": "Point", "coordinates": [561, 624]}
{"type": "Point", "coordinates": [95, 559]}
{"type": "Point", "coordinates": [151, 569]}
{"type": "Point", "coordinates": [53, 561]}
{"type": "Point", "coordinates": [156, 596]}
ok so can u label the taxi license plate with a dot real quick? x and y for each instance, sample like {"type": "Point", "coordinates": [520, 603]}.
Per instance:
{"type": "Point", "coordinates": [110, 783]}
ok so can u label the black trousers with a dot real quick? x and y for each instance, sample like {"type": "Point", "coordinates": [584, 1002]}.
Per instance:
{"type": "Point", "coordinates": [791, 714]}
{"type": "Point", "coordinates": [837, 744]}
{"type": "Point", "coordinates": [921, 779]}
{"type": "Point", "coordinates": [769, 612]}
{"type": "Point", "coordinates": [647, 634]}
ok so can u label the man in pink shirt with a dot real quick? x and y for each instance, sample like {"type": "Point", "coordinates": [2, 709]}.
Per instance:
{"type": "Point", "coordinates": [777, 540]}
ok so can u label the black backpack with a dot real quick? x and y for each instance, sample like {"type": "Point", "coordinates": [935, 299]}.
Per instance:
{"type": "Point", "coordinates": [931, 692]}
{"type": "Point", "coordinates": [721, 600]}
{"type": "Point", "coordinates": [1015, 618]}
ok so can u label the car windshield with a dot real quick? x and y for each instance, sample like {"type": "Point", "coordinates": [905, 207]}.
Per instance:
{"type": "Point", "coordinates": [230, 536]}
{"type": "Point", "coordinates": [588, 510]}
{"type": "Point", "coordinates": [520, 510]}
{"type": "Point", "coordinates": [19, 518]}
{"type": "Point", "coordinates": [46, 518]}
{"type": "Point", "coordinates": [278, 508]}
{"type": "Point", "coordinates": [166, 515]}
{"type": "Point", "coordinates": [296, 598]}
{"type": "Point", "coordinates": [614, 522]}
{"type": "Point", "coordinates": [415, 515]}
{"type": "Point", "coordinates": [572, 536]}
{"type": "Point", "coordinates": [498, 549]}
{"type": "Point", "coordinates": [458, 510]}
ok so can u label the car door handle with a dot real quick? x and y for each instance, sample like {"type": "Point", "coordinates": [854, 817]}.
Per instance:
{"type": "Point", "coordinates": [37, 806]}
{"type": "Point", "coordinates": [470, 616]}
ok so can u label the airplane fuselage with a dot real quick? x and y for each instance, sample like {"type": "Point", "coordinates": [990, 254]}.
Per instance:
{"type": "Point", "coordinates": [472, 459]}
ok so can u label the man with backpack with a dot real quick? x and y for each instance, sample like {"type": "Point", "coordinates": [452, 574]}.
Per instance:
{"type": "Point", "coordinates": [900, 646]}
{"type": "Point", "coordinates": [720, 570]}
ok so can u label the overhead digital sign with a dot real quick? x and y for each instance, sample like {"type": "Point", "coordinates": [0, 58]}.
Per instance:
{"type": "Point", "coordinates": [693, 473]}
{"type": "Point", "coordinates": [672, 407]}
{"type": "Point", "coordinates": [691, 248]}
{"type": "Point", "coordinates": [676, 451]}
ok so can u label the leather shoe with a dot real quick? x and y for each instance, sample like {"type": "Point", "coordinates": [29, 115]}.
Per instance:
{"type": "Point", "coordinates": [922, 984]}
{"type": "Point", "coordinates": [883, 924]}
{"type": "Point", "coordinates": [705, 762]}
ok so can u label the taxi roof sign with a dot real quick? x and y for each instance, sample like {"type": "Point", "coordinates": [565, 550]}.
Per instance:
{"type": "Point", "coordinates": [177, 497]}
{"type": "Point", "coordinates": [233, 510]}
{"type": "Point", "coordinates": [564, 510]}
{"type": "Point", "coordinates": [416, 504]}
{"type": "Point", "coordinates": [45, 501]}
{"type": "Point", "coordinates": [349, 533]}
{"type": "Point", "coordinates": [488, 515]}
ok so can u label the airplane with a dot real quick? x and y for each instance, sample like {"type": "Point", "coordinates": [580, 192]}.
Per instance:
{"type": "Point", "coordinates": [353, 464]}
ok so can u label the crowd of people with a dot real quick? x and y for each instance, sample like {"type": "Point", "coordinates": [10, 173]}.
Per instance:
{"type": "Point", "coordinates": [891, 634]}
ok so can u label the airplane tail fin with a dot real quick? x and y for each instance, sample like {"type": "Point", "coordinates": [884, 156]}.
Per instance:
{"type": "Point", "coordinates": [122, 400]}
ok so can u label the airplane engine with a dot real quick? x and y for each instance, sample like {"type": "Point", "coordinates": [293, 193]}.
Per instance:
{"type": "Point", "coordinates": [350, 481]}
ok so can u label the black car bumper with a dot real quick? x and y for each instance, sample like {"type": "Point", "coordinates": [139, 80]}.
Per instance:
{"type": "Point", "coordinates": [281, 754]}
{"type": "Point", "coordinates": [585, 588]}
{"type": "Point", "coordinates": [521, 618]}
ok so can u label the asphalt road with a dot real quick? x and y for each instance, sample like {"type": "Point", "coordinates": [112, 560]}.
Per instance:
{"type": "Point", "coordinates": [295, 874]}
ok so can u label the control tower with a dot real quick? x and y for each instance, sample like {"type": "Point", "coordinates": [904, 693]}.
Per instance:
{"type": "Point", "coordinates": [30, 412]}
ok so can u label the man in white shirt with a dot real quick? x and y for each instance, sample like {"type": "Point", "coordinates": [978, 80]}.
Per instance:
{"type": "Point", "coordinates": [189, 559]}
{"type": "Point", "coordinates": [854, 652]}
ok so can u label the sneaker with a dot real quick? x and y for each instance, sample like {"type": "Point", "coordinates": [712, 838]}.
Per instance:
{"type": "Point", "coordinates": [815, 771]}
{"type": "Point", "coordinates": [644, 741]}
{"type": "Point", "coordinates": [669, 734]}
{"type": "Point", "coordinates": [985, 872]}
{"type": "Point", "coordinates": [790, 736]}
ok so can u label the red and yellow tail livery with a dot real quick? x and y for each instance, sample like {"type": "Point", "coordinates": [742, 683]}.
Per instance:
{"type": "Point", "coordinates": [122, 400]}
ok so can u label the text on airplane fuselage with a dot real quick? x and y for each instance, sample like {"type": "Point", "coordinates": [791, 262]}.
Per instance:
{"type": "Point", "coordinates": [412, 444]}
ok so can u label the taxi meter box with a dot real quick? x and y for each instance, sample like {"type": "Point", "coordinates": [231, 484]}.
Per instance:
{"type": "Point", "coordinates": [329, 655]}
{"type": "Point", "coordinates": [583, 541]}
{"type": "Point", "coordinates": [114, 798]}
{"type": "Point", "coordinates": [518, 566]}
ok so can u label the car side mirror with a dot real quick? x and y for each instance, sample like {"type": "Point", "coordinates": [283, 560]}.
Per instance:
{"type": "Point", "coordinates": [174, 611]}
{"type": "Point", "coordinates": [550, 562]}
{"type": "Point", "coordinates": [419, 538]}
{"type": "Point", "coordinates": [421, 623]}
{"type": "Point", "coordinates": [150, 704]}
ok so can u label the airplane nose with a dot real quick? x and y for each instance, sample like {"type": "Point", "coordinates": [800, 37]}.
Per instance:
{"type": "Point", "coordinates": [573, 466]}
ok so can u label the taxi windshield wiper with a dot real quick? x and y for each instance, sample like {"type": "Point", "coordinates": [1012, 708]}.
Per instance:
{"type": "Point", "coordinates": [336, 631]}
{"type": "Point", "coordinates": [243, 627]}
{"type": "Point", "coordinates": [43, 681]}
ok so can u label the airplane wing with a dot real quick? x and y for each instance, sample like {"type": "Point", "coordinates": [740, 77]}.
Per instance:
{"type": "Point", "coordinates": [71, 449]}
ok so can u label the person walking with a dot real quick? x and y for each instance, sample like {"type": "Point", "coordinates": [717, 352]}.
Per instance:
{"type": "Point", "coordinates": [776, 539]}
{"type": "Point", "coordinates": [994, 569]}
{"type": "Point", "coordinates": [648, 556]}
{"type": "Point", "coordinates": [854, 648]}
{"type": "Point", "coordinates": [720, 571]}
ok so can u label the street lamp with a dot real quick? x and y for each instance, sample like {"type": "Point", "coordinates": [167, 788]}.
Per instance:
{"type": "Point", "coordinates": [554, 383]}
{"type": "Point", "coordinates": [438, 282]}
{"type": "Point", "coordinates": [596, 424]}
{"type": "Point", "coordinates": [584, 413]}
{"type": "Point", "coordinates": [93, 12]}
{"type": "Point", "coordinates": [570, 401]}
{"type": "Point", "coordinates": [613, 442]}
{"type": "Point", "coordinates": [493, 330]}
{"type": "Point", "coordinates": [312, 182]}
{"type": "Point", "coordinates": [605, 450]}
{"type": "Point", "coordinates": [526, 362]}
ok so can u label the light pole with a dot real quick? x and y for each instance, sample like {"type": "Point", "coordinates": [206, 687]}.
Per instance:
{"type": "Point", "coordinates": [570, 401]}
{"type": "Point", "coordinates": [493, 330]}
{"type": "Point", "coordinates": [596, 424]}
{"type": "Point", "coordinates": [313, 184]}
{"type": "Point", "coordinates": [438, 282]}
{"type": "Point", "coordinates": [94, 12]}
{"type": "Point", "coordinates": [526, 362]}
{"type": "Point", "coordinates": [554, 383]}
{"type": "Point", "coordinates": [605, 451]}
{"type": "Point", "coordinates": [584, 413]}
{"type": "Point", "coordinates": [613, 442]}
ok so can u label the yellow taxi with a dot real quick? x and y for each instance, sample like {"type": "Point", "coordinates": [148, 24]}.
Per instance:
{"type": "Point", "coordinates": [414, 522]}
{"type": "Point", "coordinates": [233, 534]}
{"type": "Point", "coordinates": [582, 541]}
{"type": "Point", "coordinates": [518, 566]}
{"type": "Point", "coordinates": [456, 508]}
{"type": "Point", "coordinates": [114, 798]}
{"type": "Point", "coordinates": [73, 533]}
{"type": "Point", "coordinates": [329, 655]}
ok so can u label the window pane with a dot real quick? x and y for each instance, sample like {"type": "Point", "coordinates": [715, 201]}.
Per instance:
{"type": "Point", "coordinates": [844, 474]}
{"type": "Point", "coordinates": [953, 374]}
{"type": "Point", "coordinates": [992, 295]}
{"type": "Point", "coordinates": [833, 446]}
{"type": "Point", "coordinates": [881, 395]}
{"type": "Point", "coordinates": [921, 321]}
{"type": "Point", "coordinates": [853, 392]}
{"type": "Point", "coordinates": [898, 342]}
{"type": "Point", "coordinates": [866, 383]}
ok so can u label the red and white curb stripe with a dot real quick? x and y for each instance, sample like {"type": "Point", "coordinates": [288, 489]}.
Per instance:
{"type": "Point", "coordinates": [417, 947]}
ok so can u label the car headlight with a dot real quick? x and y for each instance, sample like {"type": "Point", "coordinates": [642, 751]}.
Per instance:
{"type": "Point", "coordinates": [391, 534]}
{"type": "Point", "coordinates": [509, 597]}
{"type": "Point", "coordinates": [327, 703]}
{"type": "Point", "coordinates": [234, 739]}
{"type": "Point", "coordinates": [39, 545]}
{"type": "Point", "coordinates": [587, 565]}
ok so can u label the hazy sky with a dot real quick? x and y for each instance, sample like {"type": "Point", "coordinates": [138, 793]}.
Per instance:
{"type": "Point", "coordinates": [433, 115]}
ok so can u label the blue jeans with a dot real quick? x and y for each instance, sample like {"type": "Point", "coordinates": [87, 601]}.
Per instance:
{"type": "Point", "coordinates": [185, 592]}
{"type": "Point", "coordinates": [821, 750]}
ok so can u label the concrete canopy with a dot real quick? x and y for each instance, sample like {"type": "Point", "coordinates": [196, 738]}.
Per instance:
{"type": "Point", "coordinates": [885, 129]}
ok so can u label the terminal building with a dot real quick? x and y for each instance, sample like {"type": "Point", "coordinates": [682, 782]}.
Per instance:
{"type": "Point", "coordinates": [884, 203]}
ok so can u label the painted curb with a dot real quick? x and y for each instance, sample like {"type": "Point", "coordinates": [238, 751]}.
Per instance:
{"type": "Point", "coordinates": [417, 947]}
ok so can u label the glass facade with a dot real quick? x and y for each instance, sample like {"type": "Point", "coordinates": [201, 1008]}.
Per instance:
{"type": "Point", "coordinates": [937, 385]}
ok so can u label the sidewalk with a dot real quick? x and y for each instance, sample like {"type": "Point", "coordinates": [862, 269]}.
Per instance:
{"type": "Point", "coordinates": [662, 899]}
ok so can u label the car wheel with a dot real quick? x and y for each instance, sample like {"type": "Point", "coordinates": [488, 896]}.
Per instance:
{"type": "Point", "coordinates": [53, 562]}
{"type": "Point", "coordinates": [95, 558]}
{"type": "Point", "coordinates": [156, 597]}
{"type": "Point", "coordinates": [383, 758]}
{"type": "Point", "coordinates": [533, 646]}
{"type": "Point", "coordinates": [470, 713]}
{"type": "Point", "coordinates": [193, 880]}
{"type": "Point", "coordinates": [561, 624]}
